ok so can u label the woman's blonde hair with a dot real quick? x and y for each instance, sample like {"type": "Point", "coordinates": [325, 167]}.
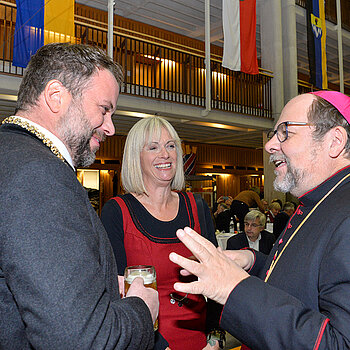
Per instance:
{"type": "Point", "coordinates": [139, 135]}
{"type": "Point", "coordinates": [275, 205]}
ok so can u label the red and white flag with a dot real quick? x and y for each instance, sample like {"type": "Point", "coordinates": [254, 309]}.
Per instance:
{"type": "Point", "coordinates": [239, 24]}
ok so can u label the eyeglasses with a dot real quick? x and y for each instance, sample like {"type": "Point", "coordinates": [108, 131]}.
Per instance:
{"type": "Point", "coordinates": [252, 225]}
{"type": "Point", "coordinates": [282, 130]}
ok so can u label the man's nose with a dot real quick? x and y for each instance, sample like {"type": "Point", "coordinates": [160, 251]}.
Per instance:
{"type": "Point", "coordinates": [273, 145]}
{"type": "Point", "coordinates": [108, 125]}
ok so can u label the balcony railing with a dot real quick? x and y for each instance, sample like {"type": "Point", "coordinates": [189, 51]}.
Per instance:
{"type": "Point", "coordinates": [161, 72]}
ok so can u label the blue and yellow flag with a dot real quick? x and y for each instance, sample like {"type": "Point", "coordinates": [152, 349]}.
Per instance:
{"type": "Point", "coordinates": [316, 40]}
{"type": "Point", "coordinates": [40, 22]}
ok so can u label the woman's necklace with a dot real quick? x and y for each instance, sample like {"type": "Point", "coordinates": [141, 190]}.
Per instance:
{"type": "Point", "coordinates": [32, 129]}
{"type": "Point", "coordinates": [277, 256]}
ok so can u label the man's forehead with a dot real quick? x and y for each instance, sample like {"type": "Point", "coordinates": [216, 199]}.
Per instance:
{"type": "Point", "coordinates": [297, 109]}
{"type": "Point", "coordinates": [250, 221]}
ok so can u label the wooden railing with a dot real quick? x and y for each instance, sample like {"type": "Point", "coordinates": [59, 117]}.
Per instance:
{"type": "Point", "coordinates": [159, 71]}
{"type": "Point", "coordinates": [7, 30]}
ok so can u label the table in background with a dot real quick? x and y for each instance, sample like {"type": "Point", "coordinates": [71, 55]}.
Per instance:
{"type": "Point", "coordinates": [223, 237]}
{"type": "Point", "coordinates": [269, 227]}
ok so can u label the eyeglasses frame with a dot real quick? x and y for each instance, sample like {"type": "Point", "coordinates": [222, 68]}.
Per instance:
{"type": "Point", "coordinates": [253, 224]}
{"type": "Point", "coordinates": [272, 133]}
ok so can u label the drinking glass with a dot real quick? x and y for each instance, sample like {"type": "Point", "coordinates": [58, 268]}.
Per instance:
{"type": "Point", "coordinates": [147, 273]}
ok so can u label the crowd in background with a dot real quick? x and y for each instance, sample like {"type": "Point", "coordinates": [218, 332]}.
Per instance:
{"type": "Point", "coordinates": [233, 215]}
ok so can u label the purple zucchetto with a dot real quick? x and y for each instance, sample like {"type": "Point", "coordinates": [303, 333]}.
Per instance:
{"type": "Point", "coordinates": [340, 101]}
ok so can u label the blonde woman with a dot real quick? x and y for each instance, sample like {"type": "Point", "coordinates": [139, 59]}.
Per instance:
{"type": "Point", "coordinates": [142, 224]}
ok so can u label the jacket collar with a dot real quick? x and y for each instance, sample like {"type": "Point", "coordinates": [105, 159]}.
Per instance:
{"type": "Point", "coordinates": [311, 197]}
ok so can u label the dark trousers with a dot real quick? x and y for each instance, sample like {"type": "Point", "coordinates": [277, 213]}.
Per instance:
{"type": "Point", "coordinates": [239, 209]}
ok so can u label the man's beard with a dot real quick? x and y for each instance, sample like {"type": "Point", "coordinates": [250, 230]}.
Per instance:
{"type": "Point", "coordinates": [76, 132]}
{"type": "Point", "coordinates": [291, 179]}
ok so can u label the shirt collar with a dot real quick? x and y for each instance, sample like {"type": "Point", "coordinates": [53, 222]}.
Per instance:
{"type": "Point", "coordinates": [311, 197]}
{"type": "Point", "coordinates": [54, 139]}
{"type": "Point", "coordinates": [257, 240]}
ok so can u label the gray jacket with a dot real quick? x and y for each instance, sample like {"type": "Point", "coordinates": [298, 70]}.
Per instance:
{"type": "Point", "coordinates": [58, 278]}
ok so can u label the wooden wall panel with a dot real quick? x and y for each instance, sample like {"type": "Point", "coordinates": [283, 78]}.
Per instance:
{"type": "Point", "coordinates": [229, 156]}
{"type": "Point", "coordinates": [227, 185]}
{"type": "Point", "coordinates": [112, 148]}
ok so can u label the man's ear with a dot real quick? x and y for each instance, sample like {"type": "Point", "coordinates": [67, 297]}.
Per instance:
{"type": "Point", "coordinates": [55, 95]}
{"type": "Point", "coordinates": [338, 139]}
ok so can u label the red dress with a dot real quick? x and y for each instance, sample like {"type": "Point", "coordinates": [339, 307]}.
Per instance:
{"type": "Point", "coordinates": [182, 326]}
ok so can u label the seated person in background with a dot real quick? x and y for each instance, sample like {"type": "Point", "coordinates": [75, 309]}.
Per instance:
{"type": "Point", "coordinates": [282, 219]}
{"type": "Point", "coordinates": [254, 235]}
{"type": "Point", "coordinates": [243, 201]}
{"type": "Point", "coordinates": [222, 199]}
{"type": "Point", "coordinates": [275, 208]}
{"type": "Point", "coordinates": [222, 218]}
{"type": "Point", "coordinates": [277, 201]}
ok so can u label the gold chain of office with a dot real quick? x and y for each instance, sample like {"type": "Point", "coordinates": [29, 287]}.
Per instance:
{"type": "Point", "coordinates": [32, 129]}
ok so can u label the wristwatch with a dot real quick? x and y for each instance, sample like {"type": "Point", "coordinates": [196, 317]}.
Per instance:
{"type": "Point", "coordinates": [219, 335]}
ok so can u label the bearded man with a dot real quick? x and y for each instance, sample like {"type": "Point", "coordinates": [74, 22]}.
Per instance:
{"type": "Point", "coordinates": [297, 297]}
{"type": "Point", "coordinates": [58, 278]}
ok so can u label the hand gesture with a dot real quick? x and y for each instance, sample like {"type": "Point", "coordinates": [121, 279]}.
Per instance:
{"type": "Point", "coordinates": [217, 274]}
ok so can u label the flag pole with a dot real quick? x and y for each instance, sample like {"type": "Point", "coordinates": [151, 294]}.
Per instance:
{"type": "Point", "coordinates": [340, 47]}
{"type": "Point", "coordinates": [207, 61]}
{"type": "Point", "coordinates": [110, 28]}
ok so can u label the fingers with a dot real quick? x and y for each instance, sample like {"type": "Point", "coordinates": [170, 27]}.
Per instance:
{"type": "Point", "coordinates": [121, 285]}
{"type": "Point", "coordinates": [243, 258]}
{"type": "Point", "coordinates": [148, 295]}
{"type": "Point", "coordinates": [192, 257]}
{"type": "Point", "coordinates": [187, 264]}
{"type": "Point", "coordinates": [198, 245]}
{"type": "Point", "coordinates": [135, 286]}
{"type": "Point", "coordinates": [185, 273]}
{"type": "Point", "coordinates": [191, 288]}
